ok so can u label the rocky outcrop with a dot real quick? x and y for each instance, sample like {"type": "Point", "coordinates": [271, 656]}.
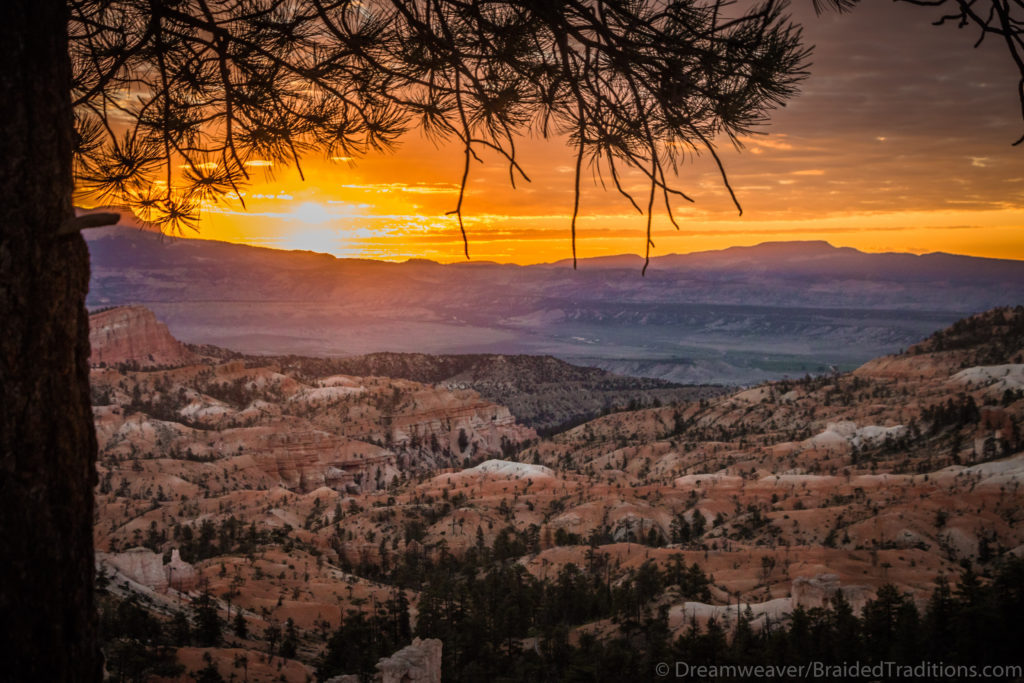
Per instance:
{"type": "Point", "coordinates": [306, 460]}
{"type": "Point", "coordinates": [145, 567]}
{"type": "Point", "coordinates": [141, 565]}
{"type": "Point", "coordinates": [443, 414]}
{"type": "Point", "coordinates": [180, 574]}
{"type": "Point", "coordinates": [818, 591]}
{"type": "Point", "coordinates": [418, 662]}
{"type": "Point", "coordinates": [132, 334]}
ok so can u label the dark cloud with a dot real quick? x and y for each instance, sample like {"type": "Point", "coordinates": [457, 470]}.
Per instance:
{"type": "Point", "coordinates": [895, 101]}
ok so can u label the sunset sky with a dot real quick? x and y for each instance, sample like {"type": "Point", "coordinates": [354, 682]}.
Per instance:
{"type": "Point", "coordinates": [900, 141]}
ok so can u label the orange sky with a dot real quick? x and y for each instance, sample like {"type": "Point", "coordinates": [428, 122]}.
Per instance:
{"type": "Point", "coordinates": [899, 142]}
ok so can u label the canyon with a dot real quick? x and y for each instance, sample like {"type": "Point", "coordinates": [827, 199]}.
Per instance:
{"type": "Point", "coordinates": [291, 493]}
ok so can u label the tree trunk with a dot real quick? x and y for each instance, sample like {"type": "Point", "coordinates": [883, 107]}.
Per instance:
{"type": "Point", "coordinates": [47, 442]}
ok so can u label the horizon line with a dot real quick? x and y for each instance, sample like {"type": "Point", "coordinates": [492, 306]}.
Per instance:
{"type": "Point", "coordinates": [559, 261]}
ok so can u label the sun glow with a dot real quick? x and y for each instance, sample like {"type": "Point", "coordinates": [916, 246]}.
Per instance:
{"type": "Point", "coordinates": [396, 206]}
{"type": "Point", "coordinates": [311, 212]}
{"type": "Point", "coordinates": [325, 239]}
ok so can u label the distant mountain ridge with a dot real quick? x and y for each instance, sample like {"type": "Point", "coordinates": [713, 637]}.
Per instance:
{"type": "Point", "coordinates": [800, 256]}
{"type": "Point", "coordinates": [738, 315]}
{"type": "Point", "coordinates": [818, 257]}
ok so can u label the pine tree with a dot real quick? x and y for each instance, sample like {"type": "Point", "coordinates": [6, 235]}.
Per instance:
{"type": "Point", "coordinates": [241, 628]}
{"type": "Point", "coordinates": [207, 630]}
{"type": "Point", "coordinates": [289, 641]}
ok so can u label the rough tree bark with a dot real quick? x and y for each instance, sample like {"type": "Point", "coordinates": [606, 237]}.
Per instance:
{"type": "Point", "coordinates": [47, 442]}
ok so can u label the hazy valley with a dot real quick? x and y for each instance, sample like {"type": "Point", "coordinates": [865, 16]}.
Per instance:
{"type": "Point", "coordinates": [736, 316]}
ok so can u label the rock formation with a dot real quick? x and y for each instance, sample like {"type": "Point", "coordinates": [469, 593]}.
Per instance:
{"type": "Point", "coordinates": [145, 567]}
{"type": "Point", "coordinates": [180, 574]}
{"type": "Point", "coordinates": [818, 590]}
{"type": "Point", "coordinates": [141, 565]}
{"type": "Point", "coordinates": [129, 334]}
{"type": "Point", "coordinates": [307, 460]}
{"type": "Point", "coordinates": [419, 662]}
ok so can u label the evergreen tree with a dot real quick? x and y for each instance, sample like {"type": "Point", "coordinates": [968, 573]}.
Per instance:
{"type": "Point", "coordinates": [207, 623]}
{"type": "Point", "coordinates": [289, 641]}
{"type": "Point", "coordinates": [240, 627]}
{"type": "Point", "coordinates": [880, 616]}
{"type": "Point", "coordinates": [209, 673]}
